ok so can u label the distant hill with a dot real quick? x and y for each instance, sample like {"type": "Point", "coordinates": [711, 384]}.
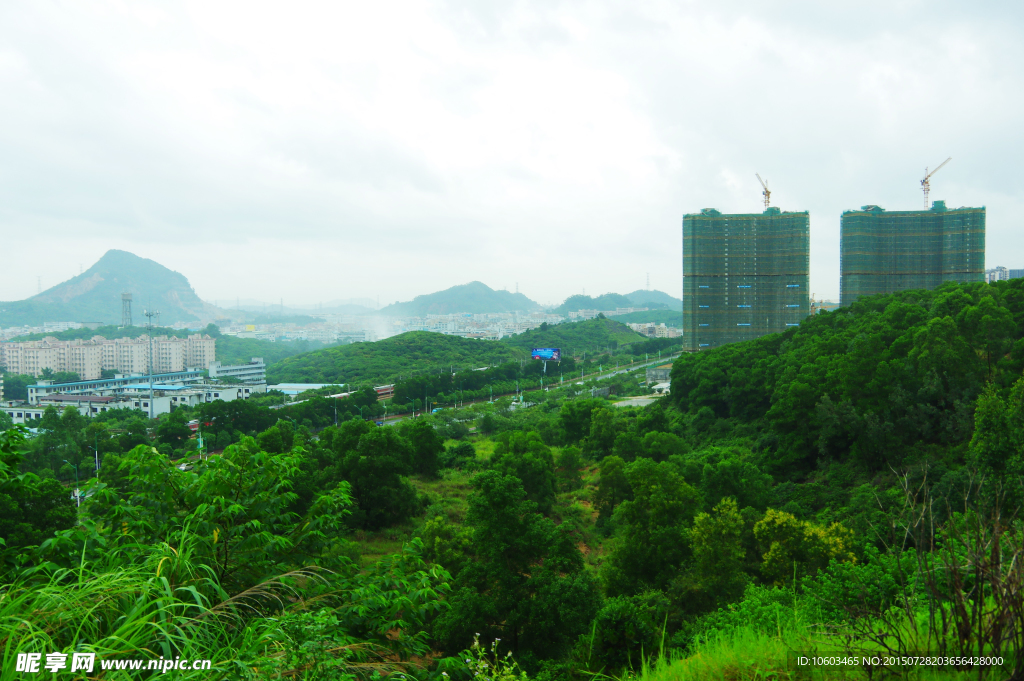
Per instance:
{"type": "Point", "coordinates": [575, 337]}
{"type": "Point", "coordinates": [473, 297]}
{"type": "Point", "coordinates": [386, 360]}
{"type": "Point", "coordinates": [652, 299]}
{"type": "Point", "coordinates": [666, 317]}
{"type": "Point", "coordinates": [95, 295]}
{"type": "Point", "coordinates": [608, 301]}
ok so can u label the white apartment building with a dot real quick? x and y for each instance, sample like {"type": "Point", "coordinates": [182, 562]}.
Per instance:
{"type": "Point", "coordinates": [82, 357]}
{"type": "Point", "coordinates": [123, 355]}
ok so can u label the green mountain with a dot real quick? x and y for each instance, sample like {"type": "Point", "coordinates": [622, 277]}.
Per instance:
{"type": "Point", "coordinates": [388, 359]}
{"type": "Point", "coordinates": [474, 297]}
{"type": "Point", "coordinates": [644, 298]}
{"type": "Point", "coordinates": [608, 301]}
{"type": "Point", "coordinates": [612, 301]}
{"type": "Point", "coordinates": [95, 295]}
{"type": "Point", "coordinates": [575, 337]}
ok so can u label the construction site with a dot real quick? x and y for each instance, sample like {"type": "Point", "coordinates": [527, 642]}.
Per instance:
{"type": "Point", "coordinates": [887, 251]}
{"type": "Point", "coordinates": [744, 275]}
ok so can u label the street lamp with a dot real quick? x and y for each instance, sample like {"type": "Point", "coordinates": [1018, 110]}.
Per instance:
{"type": "Point", "coordinates": [78, 499]}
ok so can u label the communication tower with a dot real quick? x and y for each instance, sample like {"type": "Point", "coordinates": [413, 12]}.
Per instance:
{"type": "Point", "coordinates": [149, 314]}
{"type": "Point", "coordinates": [126, 309]}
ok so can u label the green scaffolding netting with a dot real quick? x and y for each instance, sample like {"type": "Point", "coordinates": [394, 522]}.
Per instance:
{"type": "Point", "coordinates": [887, 251]}
{"type": "Point", "coordinates": [744, 275]}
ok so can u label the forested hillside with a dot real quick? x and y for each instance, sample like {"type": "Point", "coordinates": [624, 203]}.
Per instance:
{"type": "Point", "coordinates": [474, 297]}
{"type": "Point", "coordinates": [577, 337]}
{"type": "Point", "coordinates": [888, 380]}
{"type": "Point", "coordinates": [849, 488]}
{"type": "Point", "coordinates": [608, 301]}
{"type": "Point", "coordinates": [386, 360]}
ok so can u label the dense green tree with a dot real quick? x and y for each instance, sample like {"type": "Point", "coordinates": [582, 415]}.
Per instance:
{"type": "Point", "coordinates": [651, 540]}
{"type": "Point", "coordinates": [376, 469]}
{"type": "Point", "coordinates": [660, 446]}
{"type": "Point", "coordinates": [16, 386]}
{"type": "Point", "coordinates": [613, 487]}
{"type": "Point", "coordinates": [271, 441]}
{"type": "Point", "coordinates": [716, 574]}
{"type": "Point", "coordinates": [526, 584]}
{"type": "Point", "coordinates": [575, 418]}
{"type": "Point", "coordinates": [524, 455]}
{"type": "Point", "coordinates": [173, 428]}
{"type": "Point", "coordinates": [427, 446]}
{"type": "Point", "coordinates": [603, 431]}
{"type": "Point", "coordinates": [567, 469]}
{"type": "Point", "coordinates": [31, 509]}
{"type": "Point", "coordinates": [628, 446]}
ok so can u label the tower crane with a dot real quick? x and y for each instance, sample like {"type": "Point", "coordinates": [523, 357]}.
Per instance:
{"type": "Point", "coordinates": [766, 193]}
{"type": "Point", "coordinates": [926, 185]}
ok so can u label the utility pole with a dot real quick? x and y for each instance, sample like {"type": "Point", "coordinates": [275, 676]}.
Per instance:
{"type": "Point", "coordinates": [149, 314]}
{"type": "Point", "coordinates": [78, 497]}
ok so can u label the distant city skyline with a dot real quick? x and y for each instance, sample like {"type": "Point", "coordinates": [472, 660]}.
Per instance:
{"type": "Point", "coordinates": [372, 152]}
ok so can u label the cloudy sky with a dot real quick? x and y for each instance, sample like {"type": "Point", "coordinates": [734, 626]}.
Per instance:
{"type": "Point", "coordinates": [317, 151]}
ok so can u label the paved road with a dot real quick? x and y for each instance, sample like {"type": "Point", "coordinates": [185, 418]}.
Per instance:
{"type": "Point", "coordinates": [636, 401]}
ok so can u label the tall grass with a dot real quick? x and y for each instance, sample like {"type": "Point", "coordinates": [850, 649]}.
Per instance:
{"type": "Point", "coordinates": [169, 607]}
{"type": "Point", "coordinates": [764, 641]}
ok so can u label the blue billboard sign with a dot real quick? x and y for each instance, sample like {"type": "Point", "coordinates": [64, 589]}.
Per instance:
{"type": "Point", "coordinates": [550, 354]}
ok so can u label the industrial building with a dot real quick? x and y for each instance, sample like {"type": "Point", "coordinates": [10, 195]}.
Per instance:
{"type": "Point", "coordinates": [252, 372]}
{"type": "Point", "coordinates": [89, 398]}
{"type": "Point", "coordinates": [887, 251]}
{"type": "Point", "coordinates": [744, 275]}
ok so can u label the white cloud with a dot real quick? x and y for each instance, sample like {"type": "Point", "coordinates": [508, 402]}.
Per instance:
{"type": "Point", "coordinates": [336, 150]}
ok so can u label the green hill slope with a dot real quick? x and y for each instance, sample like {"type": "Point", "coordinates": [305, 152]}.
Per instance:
{"type": "Point", "coordinates": [575, 337]}
{"type": "Point", "coordinates": [888, 380]}
{"type": "Point", "coordinates": [386, 360]}
{"type": "Point", "coordinates": [645, 298]}
{"type": "Point", "coordinates": [95, 295]}
{"type": "Point", "coordinates": [473, 297]}
{"type": "Point", "coordinates": [608, 301]}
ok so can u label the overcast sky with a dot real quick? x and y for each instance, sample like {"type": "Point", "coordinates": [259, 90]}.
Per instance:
{"type": "Point", "coordinates": [317, 151]}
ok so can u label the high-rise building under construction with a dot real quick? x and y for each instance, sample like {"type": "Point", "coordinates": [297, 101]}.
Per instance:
{"type": "Point", "coordinates": [887, 251]}
{"type": "Point", "coordinates": [744, 275]}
